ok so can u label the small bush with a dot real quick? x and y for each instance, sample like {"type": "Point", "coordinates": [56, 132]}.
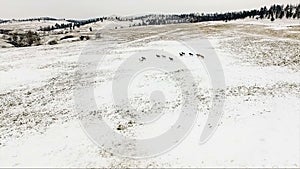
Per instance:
{"type": "Point", "coordinates": [67, 37]}
{"type": "Point", "coordinates": [53, 42]}
{"type": "Point", "coordinates": [26, 39]}
{"type": "Point", "coordinates": [84, 37]}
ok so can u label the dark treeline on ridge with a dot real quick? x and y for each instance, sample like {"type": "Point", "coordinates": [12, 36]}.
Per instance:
{"type": "Point", "coordinates": [274, 12]}
{"type": "Point", "coordinates": [72, 24]}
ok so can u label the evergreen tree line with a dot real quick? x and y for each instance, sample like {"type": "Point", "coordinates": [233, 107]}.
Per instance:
{"type": "Point", "coordinates": [72, 25]}
{"type": "Point", "coordinates": [3, 21]}
{"type": "Point", "coordinates": [31, 19]}
{"type": "Point", "coordinates": [274, 12]}
{"type": "Point", "coordinates": [38, 19]}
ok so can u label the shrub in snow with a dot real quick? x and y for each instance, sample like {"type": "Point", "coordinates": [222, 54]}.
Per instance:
{"type": "Point", "coordinates": [53, 42]}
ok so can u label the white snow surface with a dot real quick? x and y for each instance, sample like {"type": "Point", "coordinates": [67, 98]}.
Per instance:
{"type": "Point", "coordinates": [260, 126]}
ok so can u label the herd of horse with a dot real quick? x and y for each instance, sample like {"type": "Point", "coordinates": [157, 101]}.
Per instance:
{"type": "Point", "coordinates": [171, 59]}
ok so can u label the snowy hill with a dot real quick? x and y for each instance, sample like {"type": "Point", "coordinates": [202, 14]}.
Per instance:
{"type": "Point", "coordinates": [40, 126]}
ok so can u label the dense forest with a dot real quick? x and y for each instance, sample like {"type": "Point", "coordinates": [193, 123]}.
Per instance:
{"type": "Point", "coordinates": [274, 12]}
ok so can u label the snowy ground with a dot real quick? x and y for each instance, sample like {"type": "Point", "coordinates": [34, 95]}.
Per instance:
{"type": "Point", "coordinates": [260, 126]}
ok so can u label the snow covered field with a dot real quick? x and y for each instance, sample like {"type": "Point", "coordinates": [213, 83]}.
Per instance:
{"type": "Point", "coordinates": [260, 127]}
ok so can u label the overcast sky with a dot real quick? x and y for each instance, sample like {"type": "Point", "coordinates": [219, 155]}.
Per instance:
{"type": "Point", "coordinates": [91, 8]}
